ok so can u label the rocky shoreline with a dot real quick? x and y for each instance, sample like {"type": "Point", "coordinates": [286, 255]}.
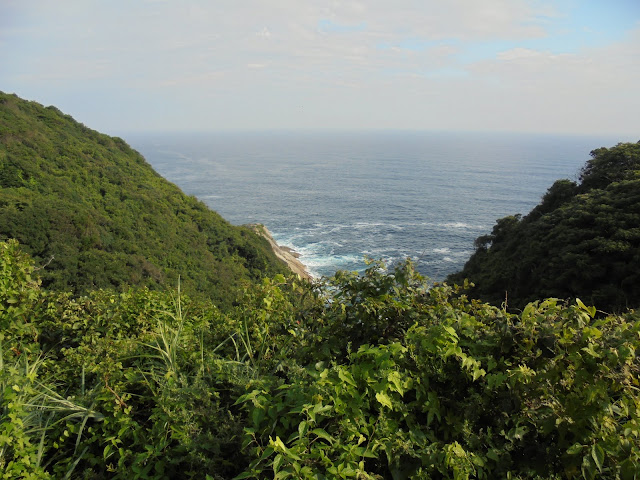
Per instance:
{"type": "Point", "coordinates": [286, 254]}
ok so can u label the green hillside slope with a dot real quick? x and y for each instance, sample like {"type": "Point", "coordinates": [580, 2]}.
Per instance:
{"type": "Point", "coordinates": [105, 218]}
{"type": "Point", "coordinates": [583, 240]}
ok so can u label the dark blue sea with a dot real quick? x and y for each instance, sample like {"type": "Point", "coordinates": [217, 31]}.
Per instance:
{"type": "Point", "coordinates": [338, 197]}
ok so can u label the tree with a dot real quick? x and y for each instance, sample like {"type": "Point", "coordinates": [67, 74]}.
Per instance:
{"type": "Point", "coordinates": [582, 240]}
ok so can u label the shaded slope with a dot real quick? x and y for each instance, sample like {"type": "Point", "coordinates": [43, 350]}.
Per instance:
{"type": "Point", "coordinates": [583, 240]}
{"type": "Point", "coordinates": [101, 213]}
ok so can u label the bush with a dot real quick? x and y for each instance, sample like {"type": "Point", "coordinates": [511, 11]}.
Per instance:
{"type": "Point", "coordinates": [378, 376]}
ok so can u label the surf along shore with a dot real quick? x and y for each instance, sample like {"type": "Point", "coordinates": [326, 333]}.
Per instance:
{"type": "Point", "coordinates": [286, 254]}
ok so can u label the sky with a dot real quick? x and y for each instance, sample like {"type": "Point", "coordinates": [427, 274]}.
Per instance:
{"type": "Point", "coordinates": [563, 66]}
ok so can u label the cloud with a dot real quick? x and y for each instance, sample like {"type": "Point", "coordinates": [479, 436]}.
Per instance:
{"type": "Point", "coordinates": [523, 54]}
{"type": "Point", "coordinates": [264, 33]}
{"type": "Point", "coordinates": [329, 26]}
{"type": "Point", "coordinates": [202, 79]}
{"type": "Point", "coordinates": [154, 39]}
{"type": "Point", "coordinates": [425, 64]}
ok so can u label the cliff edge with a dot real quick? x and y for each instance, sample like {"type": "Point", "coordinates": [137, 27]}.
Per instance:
{"type": "Point", "coordinates": [286, 254]}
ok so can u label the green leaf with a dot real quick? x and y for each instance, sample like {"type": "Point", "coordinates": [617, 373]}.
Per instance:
{"type": "Point", "coordinates": [384, 400]}
{"type": "Point", "coordinates": [243, 475]}
{"type": "Point", "coordinates": [629, 470]}
{"type": "Point", "coordinates": [267, 452]}
{"type": "Point", "coordinates": [277, 462]}
{"type": "Point", "coordinates": [322, 434]}
{"type": "Point", "coordinates": [597, 453]}
{"type": "Point", "coordinates": [106, 452]}
{"type": "Point", "coordinates": [575, 449]}
{"type": "Point", "coordinates": [303, 426]}
{"type": "Point", "coordinates": [588, 469]}
{"type": "Point", "coordinates": [257, 416]}
{"type": "Point", "coordinates": [278, 445]}
{"type": "Point", "coordinates": [589, 349]}
{"type": "Point", "coordinates": [451, 331]}
{"type": "Point", "coordinates": [395, 379]}
{"type": "Point", "coordinates": [319, 408]}
{"type": "Point", "coordinates": [590, 310]}
{"type": "Point", "coordinates": [493, 455]}
{"type": "Point", "coordinates": [282, 474]}
{"type": "Point", "coordinates": [346, 377]}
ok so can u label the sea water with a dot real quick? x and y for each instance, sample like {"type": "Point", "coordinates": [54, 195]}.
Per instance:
{"type": "Point", "coordinates": [340, 197]}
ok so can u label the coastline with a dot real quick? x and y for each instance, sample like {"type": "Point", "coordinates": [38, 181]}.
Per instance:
{"type": "Point", "coordinates": [286, 254]}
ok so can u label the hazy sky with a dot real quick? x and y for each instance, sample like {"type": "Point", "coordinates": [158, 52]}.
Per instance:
{"type": "Point", "coordinates": [567, 66]}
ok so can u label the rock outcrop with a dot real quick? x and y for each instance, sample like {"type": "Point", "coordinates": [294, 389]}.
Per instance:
{"type": "Point", "coordinates": [286, 254]}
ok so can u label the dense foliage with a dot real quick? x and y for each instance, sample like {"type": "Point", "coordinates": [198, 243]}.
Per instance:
{"type": "Point", "coordinates": [583, 240]}
{"type": "Point", "coordinates": [376, 376]}
{"type": "Point", "coordinates": [98, 211]}
{"type": "Point", "coordinates": [107, 373]}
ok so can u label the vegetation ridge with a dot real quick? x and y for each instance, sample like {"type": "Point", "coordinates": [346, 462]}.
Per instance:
{"type": "Point", "coordinates": [95, 212]}
{"type": "Point", "coordinates": [582, 240]}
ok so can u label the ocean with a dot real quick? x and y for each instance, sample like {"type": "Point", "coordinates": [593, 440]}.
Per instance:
{"type": "Point", "coordinates": [340, 197]}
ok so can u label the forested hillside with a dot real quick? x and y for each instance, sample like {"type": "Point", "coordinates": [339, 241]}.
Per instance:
{"type": "Point", "coordinates": [97, 215]}
{"type": "Point", "coordinates": [583, 240]}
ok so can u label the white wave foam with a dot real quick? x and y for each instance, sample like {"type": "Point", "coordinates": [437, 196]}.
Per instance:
{"type": "Point", "coordinates": [372, 252]}
{"type": "Point", "coordinates": [331, 260]}
{"type": "Point", "coordinates": [366, 225]}
{"type": "Point", "coordinates": [451, 225]}
{"type": "Point", "coordinates": [456, 225]}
